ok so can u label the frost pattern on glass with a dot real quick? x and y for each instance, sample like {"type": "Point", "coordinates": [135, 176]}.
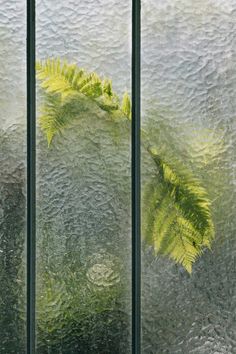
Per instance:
{"type": "Point", "coordinates": [12, 176]}
{"type": "Point", "coordinates": [83, 189]}
{"type": "Point", "coordinates": [188, 104]}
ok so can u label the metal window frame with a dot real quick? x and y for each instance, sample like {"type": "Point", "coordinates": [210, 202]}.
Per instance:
{"type": "Point", "coordinates": [31, 179]}
{"type": "Point", "coordinates": [136, 180]}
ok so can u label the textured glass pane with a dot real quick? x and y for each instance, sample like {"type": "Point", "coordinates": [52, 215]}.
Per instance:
{"type": "Point", "coordinates": [188, 165]}
{"type": "Point", "coordinates": [12, 176]}
{"type": "Point", "coordinates": [83, 176]}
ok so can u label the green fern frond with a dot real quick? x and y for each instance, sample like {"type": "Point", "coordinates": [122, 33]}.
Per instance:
{"type": "Point", "coordinates": [176, 214]}
{"type": "Point", "coordinates": [68, 80]}
{"type": "Point", "coordinates": [57, 114]}
{"type": "Point", "coordinates": [177, 218]}
{"type": "Point", "coordinates": [126, 105]}
{"type": "Point", "coordinates": [107, 88]}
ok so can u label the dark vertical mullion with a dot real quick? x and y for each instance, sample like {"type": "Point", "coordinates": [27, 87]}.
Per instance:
{"type": "Point", "coordinates": [31, 158]}
{"type": "Point", "coordinates": [136, 238]}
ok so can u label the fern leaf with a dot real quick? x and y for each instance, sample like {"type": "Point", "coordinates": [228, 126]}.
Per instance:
{"type": "Point", "coordinates": [65, 81]}
{"type": "Point", "coordinates": [177, 218]}
{"type": "Point", "coordinates": [176, 213]}
{"type": "Point", "coordinates": [126, 105]}
{"type": "Point", "coordinates": [107, 88]}
{"type": "Point", "coordinates": [56, 114]}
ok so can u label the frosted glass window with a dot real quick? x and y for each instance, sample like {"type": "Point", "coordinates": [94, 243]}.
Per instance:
{"type": "Point", "coordinates": [83, 300]}
{"type": "Point", "coordinates": [188, 176]}
{"type": "Point", "coordinates": [12, 175]}
{"type": "Point", "coordinates": [87, 224]}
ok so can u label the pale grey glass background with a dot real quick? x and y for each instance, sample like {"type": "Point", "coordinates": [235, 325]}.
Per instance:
{"type": "Point", "coordinates": [83, 189]}
{"type": "Point", "coordinates": [12, 175]}
{"type": "Point", "coordinates": [189, 88]}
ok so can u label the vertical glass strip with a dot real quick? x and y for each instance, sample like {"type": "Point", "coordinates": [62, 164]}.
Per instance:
{"type": "Point", "coordinates": [31, 185]}
{"type": "Point", "coordinates": [83, 300]}
{"type": "Point", "coordinates": [188, 176]}
{"type": "Point", "coordinates": [136, 240]}
{"type": "Point", "coordinates": [12, 176]}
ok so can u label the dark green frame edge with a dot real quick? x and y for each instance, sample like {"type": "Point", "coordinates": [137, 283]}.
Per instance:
{"type": "Point", "coordinates": [136, 180]}
{"type": "Point", "coordinates": [31, 178]}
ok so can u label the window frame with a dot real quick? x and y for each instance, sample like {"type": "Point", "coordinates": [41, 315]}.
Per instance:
{"type": "Point", "coordinates": [31, 179]}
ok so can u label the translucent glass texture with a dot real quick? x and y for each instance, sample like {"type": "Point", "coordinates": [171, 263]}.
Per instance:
{"type": "Point", "coordinates": [188, 113]}
{"type": "Point", "coordinates": [83, 177]}
{"type": "Point", "coordinates": [12, 176]}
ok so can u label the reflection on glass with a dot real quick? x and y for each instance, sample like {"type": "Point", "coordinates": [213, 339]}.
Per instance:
{"type": "Point", "coordinates": [188, 176]}
{"type": "Point", "coordinates": [12, 176]}
{"type": "Point", "coordinates": [83, 177]}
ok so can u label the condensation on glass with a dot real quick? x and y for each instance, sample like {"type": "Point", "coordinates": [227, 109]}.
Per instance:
{"type": "Point", "coordinates": [189, 108]}
{"type": "Point", "coordinates": [12, 175]}
{"type": "Point", "coordinates": [83, 298]}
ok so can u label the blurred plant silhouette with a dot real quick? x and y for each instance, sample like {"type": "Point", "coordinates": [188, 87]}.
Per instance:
{"type": "Point", "coordinates": [177, 218]}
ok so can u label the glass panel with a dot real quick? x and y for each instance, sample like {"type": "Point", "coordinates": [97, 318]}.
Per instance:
{"type": "Point", "coordinates": [188, 176]}
{"type": "Point", "coordinates": [83, 176]}
{"type": "Point", "coordinates": [12, 175]}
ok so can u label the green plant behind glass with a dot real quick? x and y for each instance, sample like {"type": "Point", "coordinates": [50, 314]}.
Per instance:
{"type": "Point", "coordinates": [78, 304]}
{"type": "Point", "coordinates": [177, 219]}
